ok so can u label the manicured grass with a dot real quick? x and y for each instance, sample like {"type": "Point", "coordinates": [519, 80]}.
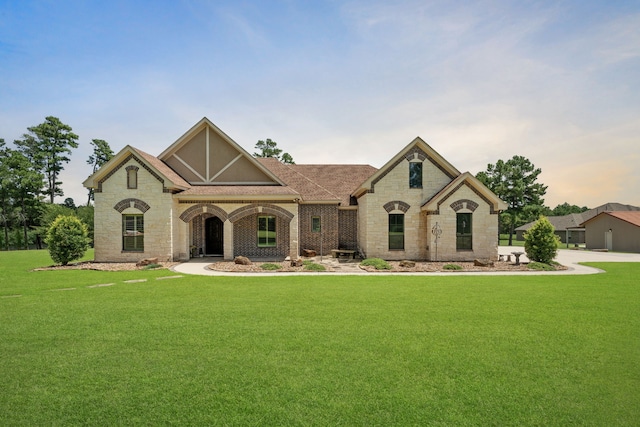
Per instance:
{"type": "Point", "coordinates": [317, 350]}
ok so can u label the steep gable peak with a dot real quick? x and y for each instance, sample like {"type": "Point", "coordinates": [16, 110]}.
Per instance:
{"type": "Point", "coordinates": [417, 149]}
{"type": "Point", "coordinates": [205, 155]}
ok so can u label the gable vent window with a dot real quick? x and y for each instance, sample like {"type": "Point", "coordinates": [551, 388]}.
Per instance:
{"type": "Point", "coordinates": [132, 177]}
{"type": "Point", "coordinates": [415, 175]}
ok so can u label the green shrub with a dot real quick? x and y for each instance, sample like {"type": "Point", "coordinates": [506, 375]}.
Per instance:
{"type": "Point", "coordinates": [377, 263]}
{"type": "Point", "coordinates": [152, 266]}
{"type": "Point", "coordinates": [67, 239]}
{"type": "Point", "coordinates": [312, 266]}
{"type": "Point", "coordinates": [540, 242]}
{"type": "Point", "coordinates": [270, 266]}
{"type": "Point", "coordinates": [452, 267]}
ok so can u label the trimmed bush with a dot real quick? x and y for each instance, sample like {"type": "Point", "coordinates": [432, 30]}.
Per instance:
{"type": "Point", "coordinates": [540, 242]}
{"type": "Point", "coordinates": [452, 267]}
{"type": "Point", "coordinates": [270, 266]}
{"type": "Point", "coordinates": [67, 239]}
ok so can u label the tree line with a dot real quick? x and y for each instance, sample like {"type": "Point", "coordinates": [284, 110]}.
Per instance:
{"type": "Point", "coordinates": [30, 181]}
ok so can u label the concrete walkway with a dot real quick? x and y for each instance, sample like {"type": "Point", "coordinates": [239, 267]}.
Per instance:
{"type": "Point", "coordinates": [566, 257]}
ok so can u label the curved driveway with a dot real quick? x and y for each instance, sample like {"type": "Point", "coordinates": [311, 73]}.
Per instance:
{"type": "Point", "coordinates": [567, 257]}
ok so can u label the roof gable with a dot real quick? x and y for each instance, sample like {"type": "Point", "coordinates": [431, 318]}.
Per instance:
{"type": "Point", "coordinates": [416, 149]}
{"type": "Point", "coordinates": [164, 174]}
{"type": "Point", "coordinates": [632, 217]}
{"type": "Point", "coordinates": [495, 203]}
{"type": "Point", "coordinates": [205, 155]}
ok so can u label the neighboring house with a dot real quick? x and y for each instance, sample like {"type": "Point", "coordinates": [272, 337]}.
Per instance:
{"type": "Point", "coordinates": [568, 227]}
{"type": "Point", "coordinates": [615, 231]}
{"type": "Point", "coordinates": [206, 195]}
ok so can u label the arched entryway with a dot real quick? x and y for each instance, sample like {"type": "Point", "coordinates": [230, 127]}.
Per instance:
{"type": "Point", "coordinates": [214, 236]}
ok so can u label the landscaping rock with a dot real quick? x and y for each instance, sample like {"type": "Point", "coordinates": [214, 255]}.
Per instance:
{"type": "Point", "coordinates": [483, 263]}
{"type": "Point", "coordinates": [146, 261]}
{"type": "Point", "coordinates": [309, 253]}
{"type": "Point", "coordinates": [407, 264]}
{"type": "Point", "coordinates": [242, 260]}
{"type": "Point", "coordinates": [297, 263]}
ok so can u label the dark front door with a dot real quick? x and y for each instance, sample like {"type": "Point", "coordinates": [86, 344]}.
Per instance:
{"type": "Point", "coordinates": [214, 233]}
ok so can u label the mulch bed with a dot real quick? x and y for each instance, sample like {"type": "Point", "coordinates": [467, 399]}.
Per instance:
{"type": "Point", "coordinates": [332, 266]}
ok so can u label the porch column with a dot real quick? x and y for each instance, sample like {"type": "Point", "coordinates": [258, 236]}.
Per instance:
{"type": "Point", "coordinates": [294, 246]}
{"type": "Point", "coordinates": [228, 240]}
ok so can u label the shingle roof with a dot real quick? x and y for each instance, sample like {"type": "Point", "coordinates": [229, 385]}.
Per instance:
{"type": "Point", "coordinates": [321, 182]}
{"type": "Point", "coordinates": [239, 190]}
{"type": "Point", "coordinates": [163, 168]}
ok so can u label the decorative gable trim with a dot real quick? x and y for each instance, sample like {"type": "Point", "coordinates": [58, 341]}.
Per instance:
{"type": "Point", "coordinates": [464, 204]}
{"type": "Point", "coordinates": [413, 153]}
{"type": "Point", "coordinates": [122, 163]}
{"type": "Point", "coordinates": [492, 211]}
{"type": "Point", "coordinates": [396, 205]}
{"type": "Point", "coordinates": [131, 203]}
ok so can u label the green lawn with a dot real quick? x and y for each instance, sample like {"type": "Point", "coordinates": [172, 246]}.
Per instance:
{"type": "Point", "coordinates": [317, 350]}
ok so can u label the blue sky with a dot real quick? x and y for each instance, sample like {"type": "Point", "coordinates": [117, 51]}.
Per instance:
{"type": "Point", "coordinates": [340, 81]}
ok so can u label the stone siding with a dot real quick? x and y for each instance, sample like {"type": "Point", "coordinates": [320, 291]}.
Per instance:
{"type": "Point", "coordinates": [484, 229]}
{"type": "Point", "coordinates": [148, 199]}
{"type": "Point", "coordinates": [393, 191]}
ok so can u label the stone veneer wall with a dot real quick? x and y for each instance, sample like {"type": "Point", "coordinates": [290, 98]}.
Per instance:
{"type": "Point", "coordinates": [484, 229]}
{"type": "Point", "coordinates": [393, 190]}
{"type": "Point", "coordinates": [329, 234]}
{"type": "Point", "coordinates": [110, 205]}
